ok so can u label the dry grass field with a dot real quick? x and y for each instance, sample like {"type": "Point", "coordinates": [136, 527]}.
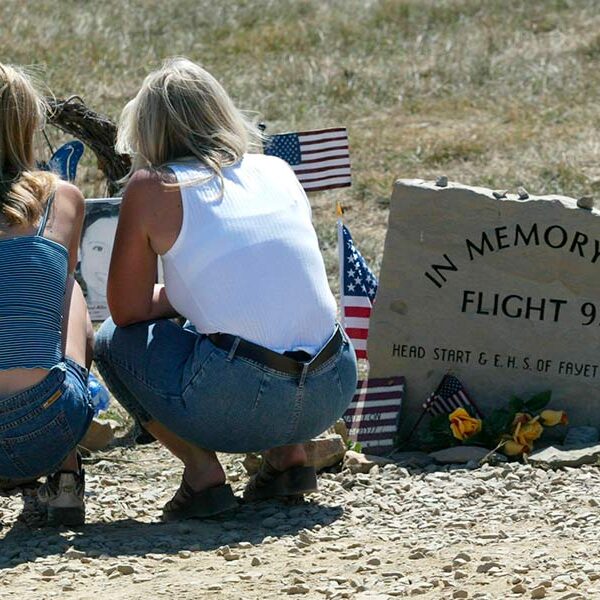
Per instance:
{"type": "Point", "coordinates": [500, 93]}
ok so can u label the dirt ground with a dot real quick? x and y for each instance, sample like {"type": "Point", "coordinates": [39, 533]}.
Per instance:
{"type": "Point", "coordinates": [438, 532]}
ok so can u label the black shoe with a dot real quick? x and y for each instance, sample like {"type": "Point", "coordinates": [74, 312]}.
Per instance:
{"type": "Point", "coordinates": [9, 485]}
{"type": "Point", "coordinates": [144, 437]}
{"type": "Point", "coordinates": [189, 504]}
{"type": "Point", "coordinates": [270, 482]}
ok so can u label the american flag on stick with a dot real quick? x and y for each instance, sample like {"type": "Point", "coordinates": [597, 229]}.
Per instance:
{"type": "Point", "coordinates": [449, 396]}
{"type": "Point", "coordinates": [372, 417]}
{"type": "Point", "coordinates": [320, 158]}
{"type": "Point", "coordinates": [358, 286]}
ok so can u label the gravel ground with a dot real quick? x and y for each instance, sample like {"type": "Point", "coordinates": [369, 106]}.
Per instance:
{"type": "Point", "coordinates": [509, 531]}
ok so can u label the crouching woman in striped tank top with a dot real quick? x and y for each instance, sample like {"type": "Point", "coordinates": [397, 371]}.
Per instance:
{"type": "Point", "coordinates": [262, 364]}
{"type": "Point", "coordinates": [45, 331]}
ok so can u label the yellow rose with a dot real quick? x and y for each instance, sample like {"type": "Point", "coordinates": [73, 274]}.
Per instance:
{"type": "Point", "coordinates": [526, 433]}
{"type": "Point", "coordinates": [550, 418]}
{"type": "Point", "coordinates": [463, 425]}
{"type": "Point", "coordinates": [512, 448]}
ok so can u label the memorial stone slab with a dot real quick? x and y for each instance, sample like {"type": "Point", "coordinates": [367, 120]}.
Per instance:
{"type": "Point", "coordinates": [502, 292]}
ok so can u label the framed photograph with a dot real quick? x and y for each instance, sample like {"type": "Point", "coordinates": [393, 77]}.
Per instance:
{"type": "Point", "coordinates": [97, 239]}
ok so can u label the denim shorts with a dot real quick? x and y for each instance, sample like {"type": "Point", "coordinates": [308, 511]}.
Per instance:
{"type": "Point", "coordinates": [42, 424]}
{"type": "Point", "coordinates": [160, 370]}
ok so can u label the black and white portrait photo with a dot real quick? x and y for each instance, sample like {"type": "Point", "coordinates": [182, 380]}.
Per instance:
{"type": "Point", "coordinates": [97, 239]}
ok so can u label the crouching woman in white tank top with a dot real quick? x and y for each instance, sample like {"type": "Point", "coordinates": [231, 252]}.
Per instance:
{"type": "Point", "coordinates": [262, 364]}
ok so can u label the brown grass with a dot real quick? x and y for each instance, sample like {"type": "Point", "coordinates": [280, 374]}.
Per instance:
{"type": "Point", "coordinates": [500, 93]}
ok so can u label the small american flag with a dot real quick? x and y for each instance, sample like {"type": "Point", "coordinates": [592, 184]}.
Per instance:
{"type": "Point", "coordinates": [449, 396]}
{"type": "Point", "coordinates": [372, 417]}
{"type": "Point", "coordinates": [320, 158]}
{"type": "Point", "coordinates": [358, 286]}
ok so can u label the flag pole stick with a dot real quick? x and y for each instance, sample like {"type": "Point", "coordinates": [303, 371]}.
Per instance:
{"type": "Point", "coordinates": [340, 212]}
{"type": "Point", "coordinates": [48, 141]}
{"type": "Point", "coordinates": [414, 428]}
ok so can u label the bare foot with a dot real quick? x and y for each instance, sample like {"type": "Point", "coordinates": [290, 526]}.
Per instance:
{"type": "Point", "coordinates": [202, 467]}
{"type": "Point", "coordinates": [284, 457]}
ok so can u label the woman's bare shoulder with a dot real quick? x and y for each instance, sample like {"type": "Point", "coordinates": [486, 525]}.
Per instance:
{"type": "Point", "coordinates": [69, 192]}
{"type": "Point", "coordinates": [146, 190]}
{"type": "Point", "coordinates": [149, 180]}
{"type": "Point", "coordinates": [152, 203]}
{"type": "Point", "coordinates": [69, 204]}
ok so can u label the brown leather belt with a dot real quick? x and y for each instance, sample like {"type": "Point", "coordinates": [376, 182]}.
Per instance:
{"type": "Point", "coordinates": [274, 360]}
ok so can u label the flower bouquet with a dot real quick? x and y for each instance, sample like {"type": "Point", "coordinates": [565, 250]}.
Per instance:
{"type": "Point", "coordinates": [512, 429]}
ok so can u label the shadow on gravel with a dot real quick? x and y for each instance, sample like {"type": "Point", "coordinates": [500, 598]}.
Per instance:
{"type": "Point", "coordinates": [128, 537]}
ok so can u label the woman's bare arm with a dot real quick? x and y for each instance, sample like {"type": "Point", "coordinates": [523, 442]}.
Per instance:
{"type": "Point", "coordinates": [132, 294]}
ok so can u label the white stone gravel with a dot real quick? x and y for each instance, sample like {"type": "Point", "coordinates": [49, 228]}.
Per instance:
{"type": "Point", "coordinates": [509, 531]}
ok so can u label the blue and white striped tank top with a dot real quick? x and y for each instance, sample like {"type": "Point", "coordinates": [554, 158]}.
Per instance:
{"type": "Point", "coordinates": [33, 277]}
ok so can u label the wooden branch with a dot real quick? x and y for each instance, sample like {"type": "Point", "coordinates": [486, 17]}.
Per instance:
{"type": "Point", "coordinates": [96, 131]}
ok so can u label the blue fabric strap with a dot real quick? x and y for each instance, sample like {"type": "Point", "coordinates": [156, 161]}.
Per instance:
{"type": "Point", "coordinates": [40, 231]}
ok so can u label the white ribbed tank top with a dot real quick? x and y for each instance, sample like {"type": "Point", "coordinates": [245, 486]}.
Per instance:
{"type": "Point", "coordinates": [247, 262]}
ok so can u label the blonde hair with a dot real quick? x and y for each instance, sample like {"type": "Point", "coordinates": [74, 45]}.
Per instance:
{"type": "Point", "coordinates": [182, 111]}
{"type": "Point", "coordinates": [23, 189]}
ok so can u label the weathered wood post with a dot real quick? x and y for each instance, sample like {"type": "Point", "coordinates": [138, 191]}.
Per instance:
{"type": "Point", "coordinates": [96, 131]}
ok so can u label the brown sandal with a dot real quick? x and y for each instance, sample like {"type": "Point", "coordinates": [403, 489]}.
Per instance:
{"type": "Point", "coordinates": [189, 504]}
{"type": "Point", "coordinates": [270, 482]}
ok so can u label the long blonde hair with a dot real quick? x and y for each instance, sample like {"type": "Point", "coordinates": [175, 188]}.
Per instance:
{"type": "Point", "coordinates": [23, 189]}
{"type": "Point", "coordinates": [182, 111]}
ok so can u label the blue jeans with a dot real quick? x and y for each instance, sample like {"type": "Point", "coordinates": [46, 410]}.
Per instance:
{"type": "Point", "coordinates": [160, 370]}
{"type": "Point", "coordinates": [42, 424]}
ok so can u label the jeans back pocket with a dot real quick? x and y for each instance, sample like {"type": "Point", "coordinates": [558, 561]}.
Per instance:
{"type": "Point", "coordinates": [40, 451]}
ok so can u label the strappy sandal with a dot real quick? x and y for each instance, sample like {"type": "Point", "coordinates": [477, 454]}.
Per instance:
{"type": "Point", "coordinates": [270, 482]}
{"type": "Point", "coordinates": [189, 504]}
